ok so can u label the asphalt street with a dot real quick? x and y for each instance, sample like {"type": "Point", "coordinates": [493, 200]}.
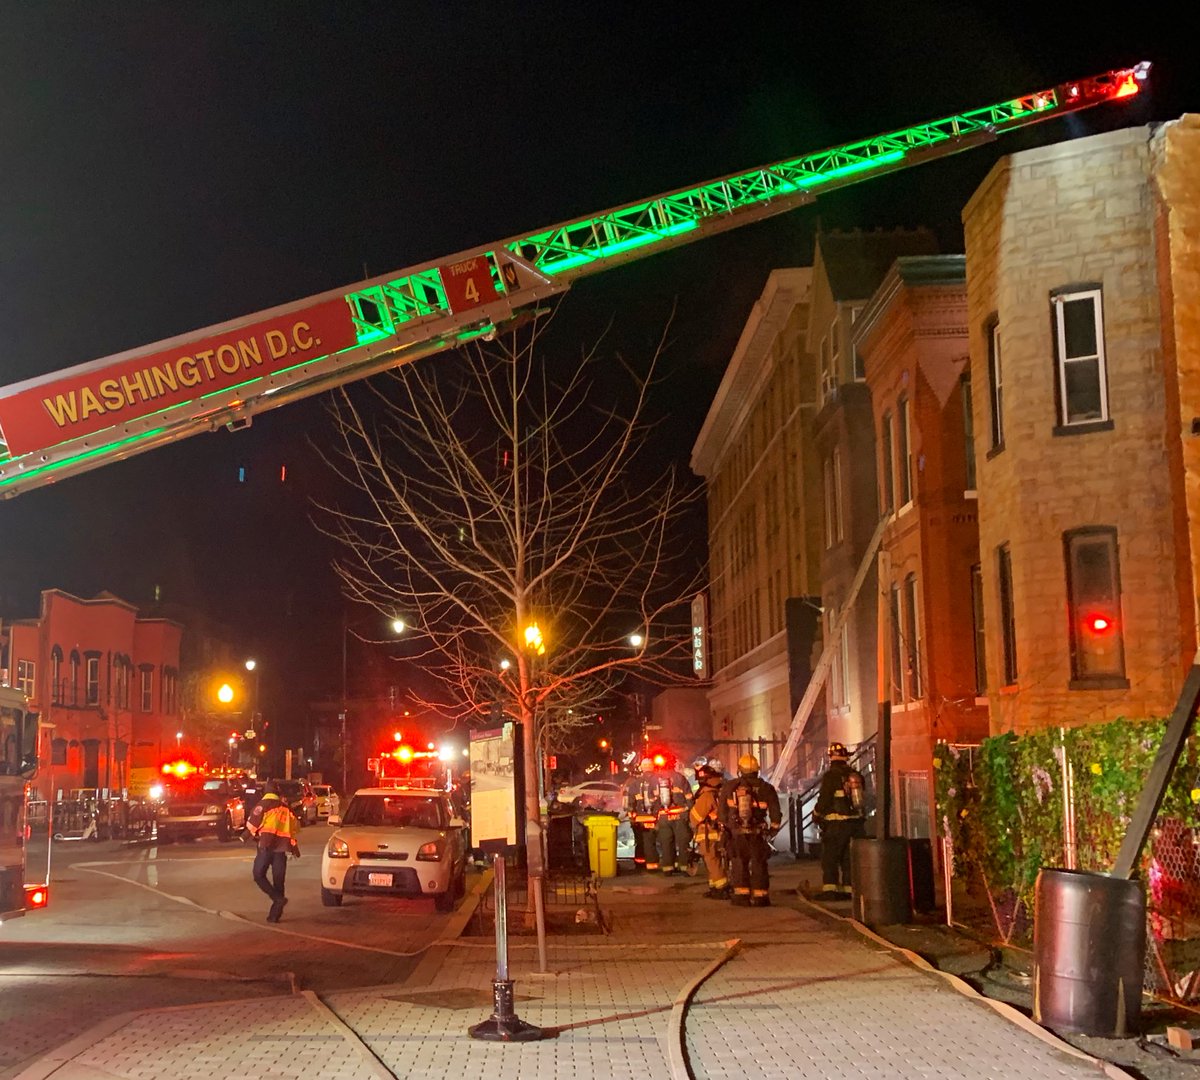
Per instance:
{"type": "Point", "coordinates": [138, 925]}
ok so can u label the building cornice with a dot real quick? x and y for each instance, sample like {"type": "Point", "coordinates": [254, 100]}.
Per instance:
{"type": "Point", "coordinates": [747, 369]}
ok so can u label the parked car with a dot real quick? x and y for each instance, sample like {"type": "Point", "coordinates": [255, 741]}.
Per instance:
{"type": "Point", "coordinates": [593, 795]}
{"type": "Point", "coordinates": [299, 795]}
{"type": "Point", "coordinates": [396, 842]}
{"type": "Point", "coordinates": [196, 806]}
{"type": "Point", "coordinates": [326, 799]}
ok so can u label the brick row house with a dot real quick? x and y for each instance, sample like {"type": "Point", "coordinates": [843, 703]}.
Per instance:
{"type": "Point", "coordinates": [913, 340]}
{"type": "Point", "coordinates": [105, 681]}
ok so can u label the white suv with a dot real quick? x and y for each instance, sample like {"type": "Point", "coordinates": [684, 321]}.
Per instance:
{"type": "Point", "coordinates": [403, 842]}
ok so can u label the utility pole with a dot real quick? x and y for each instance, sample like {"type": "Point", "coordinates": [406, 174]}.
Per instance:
{"type": "Point", "coordinates": [342, 715]}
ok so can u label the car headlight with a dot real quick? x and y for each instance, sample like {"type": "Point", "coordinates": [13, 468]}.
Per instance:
{"type": "Point", "coordinates": [339, 849]}
{"type": "Point", "coordinates": [431, 852]}
{"type": "Point", "coordinates": [212, 808]}
{"type": "Point", "coordinates": [156, 792]}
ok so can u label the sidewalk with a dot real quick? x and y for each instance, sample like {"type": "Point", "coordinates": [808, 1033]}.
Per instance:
{"type": "Point", "coordinates": [682, 987]}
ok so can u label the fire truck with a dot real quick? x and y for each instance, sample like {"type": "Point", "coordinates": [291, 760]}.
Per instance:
{"type": "Point", "coordinates": [407, 766]}
{"type": "Point", "coordinates": [24, 835]}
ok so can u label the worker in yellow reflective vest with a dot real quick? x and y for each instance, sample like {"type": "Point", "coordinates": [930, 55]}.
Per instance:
{"type": "Point", "coordinates": [275, 828]}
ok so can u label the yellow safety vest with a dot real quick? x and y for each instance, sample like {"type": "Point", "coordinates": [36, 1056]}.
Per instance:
{"type": "Point", "coordinates": [279, 821]}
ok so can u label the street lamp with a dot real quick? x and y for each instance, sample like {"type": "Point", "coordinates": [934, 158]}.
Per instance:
{"type": "Point", "coordinates": [398, 627]}
{"type": "Point", "coordinates": [225, 694]}
{"type": "Point", "coordinates": [252, 665]}
{"type": "Point", "coordinates": [178, 739]}
{"type": "Point", "coordinates": [637, 640]}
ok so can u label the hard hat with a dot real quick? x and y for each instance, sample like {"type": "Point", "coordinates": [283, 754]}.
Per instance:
{"type": "Point", "coordinates": [747, 763]}
{"type": "Point", "coordinates": [717, 766]}
{"type": "Point", "coordinates": [838, 750]}
{"type": "Point", "coordinates": [707, 772]}
{"type": "Point", "coordinates": [646, 763]}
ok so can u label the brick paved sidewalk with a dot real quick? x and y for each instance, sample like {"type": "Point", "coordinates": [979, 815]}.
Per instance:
{"type": "Point", "coordinates": [798, 997]}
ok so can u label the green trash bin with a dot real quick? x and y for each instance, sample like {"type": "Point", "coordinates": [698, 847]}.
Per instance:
{"type": "Point", "coordinates": [602, 844]}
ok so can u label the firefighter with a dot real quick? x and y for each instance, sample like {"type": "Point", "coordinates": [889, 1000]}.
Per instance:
{"type": "Point", "coordinates": [641, 803]}
{"type": "Point", "coordinates": [674, 834]}
{"type": "Point", "coordinates": [274, 827]}
{"type": "Point", "coordinates": [839, 813]}
{"type": "Point", "coordinates": [704, 818]}
{"type": "Point", "coordinates": [750, 816]}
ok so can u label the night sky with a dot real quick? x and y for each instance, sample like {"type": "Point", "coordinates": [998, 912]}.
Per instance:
{"type": "Point", "coordinates": [166, 166]}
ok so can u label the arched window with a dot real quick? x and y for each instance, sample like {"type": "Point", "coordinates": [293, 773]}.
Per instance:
{"type": "Point", "coordinates": [56, 686]}
{"type": "Point", "coordinates": [74, 677]}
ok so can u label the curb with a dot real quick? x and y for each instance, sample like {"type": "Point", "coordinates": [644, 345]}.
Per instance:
{"type": "Point", "coordinates": [1002, 1008]}
{"type": "Point", "coordinates": [436, 952]}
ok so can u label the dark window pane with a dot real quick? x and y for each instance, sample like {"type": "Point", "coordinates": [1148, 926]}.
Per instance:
{"type": "Point", "coordinates": [1079, 326]}
{"type": "Point", "coordinates": [1083, 390]}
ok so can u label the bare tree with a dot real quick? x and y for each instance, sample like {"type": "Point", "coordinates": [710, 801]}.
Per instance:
{"type": "Point", "coordinates": [522, 524]}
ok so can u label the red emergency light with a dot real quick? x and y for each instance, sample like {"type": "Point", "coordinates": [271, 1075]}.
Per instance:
{"type": "Point", "coordinates": [36, 896]}
{"type": "Point", "coordinates": [181, 769]}
{"type": "Point", "coordinates": [1099, 624]}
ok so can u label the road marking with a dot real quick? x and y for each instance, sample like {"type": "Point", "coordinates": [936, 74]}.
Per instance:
{"type": "Point", "coordinates": [233, 916]}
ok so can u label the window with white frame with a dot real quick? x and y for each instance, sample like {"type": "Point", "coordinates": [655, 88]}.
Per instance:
{"type": "Point", "coordinates": [897, 657]}
{"type": "Point", "coordinates": [828, 374]}
{"type": "Point", "coordinates": [912, 636]}
{"type": "Point", "coordinates": [93, 681]}
{"type": "Point", "coordinates": [838, 508]}
{"type": "Point", "coordinates": [887, 476]}
{"type": "Point", "coordinates": [1080, 365]}
{"type": "Point", "coordinates": [860, 367]}
{"type": "Point", "coordinates": [904, 451]}
{"type": "Point", "coordinates": [147, 690]}
{"type": "Point", "coordinates": [995, 386]}
{"type": "Point", "coordinates": [25, 677]}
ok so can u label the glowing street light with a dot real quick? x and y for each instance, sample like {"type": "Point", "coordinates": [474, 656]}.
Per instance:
{"type": "Point", "coordinates": [399, 626]}
{"type": "Point", "coordinates": [637, 640]}
{"type": "Point", "coordinates": [225, 694]}
{"type": "Point", "coordinates": [178, 739]}
{"type": "Point", "coordinates": [533, 640]}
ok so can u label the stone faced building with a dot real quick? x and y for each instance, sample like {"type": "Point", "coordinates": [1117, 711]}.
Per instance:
{"type": "Point", "coordinates": [1082, 313]}
{"type": "Point", "coordinates": [755, 454]}
{"type": "Point", "coordinates": [912, 337]}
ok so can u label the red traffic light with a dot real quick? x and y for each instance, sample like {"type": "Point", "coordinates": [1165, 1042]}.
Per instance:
{"type": "Point", "coordinates": [1099, 624]}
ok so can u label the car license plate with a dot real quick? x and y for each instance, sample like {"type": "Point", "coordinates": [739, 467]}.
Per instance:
{"type": "Point", "coordinates": [380, 879]}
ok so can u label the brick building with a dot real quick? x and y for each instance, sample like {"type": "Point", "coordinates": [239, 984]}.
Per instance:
{"type": "Point", "coordinates": [912, 337]}
{"type": "Point", "coordinates": [106, 683]}
{"type": "Point", "coordinates": [763, 483]}
{"type": "Point", "coordinates": [848, 267]}
{"type": "Point", "coordinates": [1082, 309]}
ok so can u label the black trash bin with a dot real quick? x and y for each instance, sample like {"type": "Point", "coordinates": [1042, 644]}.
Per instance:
{"type": "Point", "coordinates": [920, 875]}
{"type": "Point", "coordinates": [560, 841]}
{"type": "Point", "coordinates": [879, 881]}
{"type": "Point", "coordinates": [1089, 952]}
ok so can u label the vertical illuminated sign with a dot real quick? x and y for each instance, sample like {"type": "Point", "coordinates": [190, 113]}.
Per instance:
{"type": "Point", "coordinates": [700, 636]}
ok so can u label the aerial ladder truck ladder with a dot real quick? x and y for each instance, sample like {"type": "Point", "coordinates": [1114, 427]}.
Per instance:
{"type": "Point", "coordinates": [70, 421]}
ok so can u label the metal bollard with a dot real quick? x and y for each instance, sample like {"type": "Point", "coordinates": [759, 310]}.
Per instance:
{"type": "Point", "coordinates": [504, 1025]}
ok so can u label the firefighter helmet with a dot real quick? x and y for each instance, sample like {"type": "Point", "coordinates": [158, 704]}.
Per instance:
{"type": "Point", "coordinates": [646, 764]}
{"type": "Point", "coordinates": [838, 751]}
{"type": "Point", "coordinates": [747, 764]}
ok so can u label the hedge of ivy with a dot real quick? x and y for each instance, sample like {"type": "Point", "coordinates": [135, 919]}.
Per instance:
{"type": "Point", "coordinates": [1001, 802]}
